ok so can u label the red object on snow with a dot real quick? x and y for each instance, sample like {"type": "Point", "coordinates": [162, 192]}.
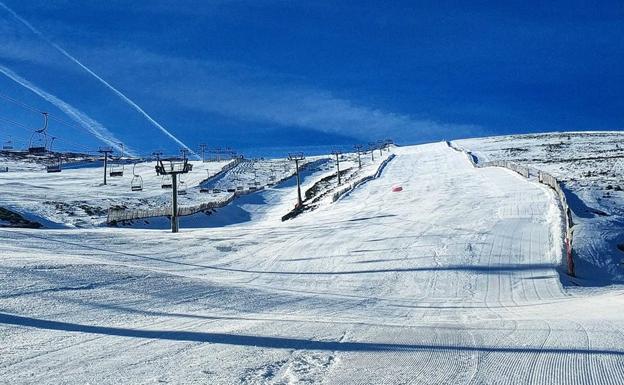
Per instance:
{"type": "Point", "coordinates": [397, 188]}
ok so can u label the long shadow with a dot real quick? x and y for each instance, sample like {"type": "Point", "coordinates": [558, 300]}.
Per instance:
{"type": "Point", "coordinates": [371, 217]}
{"type": "Point", "coordinates": [486, 269]}
{"type": "Point", "coordinates": [578, 207]}
{"type": "Point", "coordinates": [481, 269]}
{"type": "Point", "coordinates": [280, 342]}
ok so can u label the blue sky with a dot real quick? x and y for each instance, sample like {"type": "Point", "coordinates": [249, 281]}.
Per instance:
{"type": "Point", "coordinates": [266, 74]}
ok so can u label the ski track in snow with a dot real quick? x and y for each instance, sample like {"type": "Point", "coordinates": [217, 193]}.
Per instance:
{"type": "Point", "coordinates": [454, 280]}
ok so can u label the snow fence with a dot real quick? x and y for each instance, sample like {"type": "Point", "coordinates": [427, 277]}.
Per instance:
{"type": "Point", "coordinates": [120, 215]}
{"type": "Point", "coordinates": [360, 181]}
{"type": "Point", "coordinates": [542, 177]}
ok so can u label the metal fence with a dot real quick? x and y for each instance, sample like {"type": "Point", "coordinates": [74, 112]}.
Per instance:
{"type": "Point", "coordinates": [542, 177]}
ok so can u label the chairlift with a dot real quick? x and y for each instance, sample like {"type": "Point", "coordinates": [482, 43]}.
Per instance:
{"type": "Point", "coordinates": [8, 145]}
{"type": "Point", "coordinates": [166, 182]}
{"type": "Point", "coordinates": [181, 187]}
{"type": "Point", "coordinates": [54, 165]}
{"type": "Point", "coordinates": [116, 169]}
{"type": "Point", "coordinates": [136, 184]}
{"type": "Point", "coordinates": [117, 166]}
{"type": "Point", "coordinates": [39, 138]}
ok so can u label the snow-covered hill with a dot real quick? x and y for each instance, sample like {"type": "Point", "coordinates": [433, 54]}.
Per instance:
{"type": "Point", "coordinates": [455, 280]}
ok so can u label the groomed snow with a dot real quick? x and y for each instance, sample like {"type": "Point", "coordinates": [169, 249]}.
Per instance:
{"type": "Point", "coordinates": [453, 280]}
{"type": "Point", "coordinates": [590, 166]}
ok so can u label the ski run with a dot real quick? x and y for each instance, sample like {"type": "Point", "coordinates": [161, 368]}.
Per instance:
{"type": "Point", "coordinates": [456, 279]}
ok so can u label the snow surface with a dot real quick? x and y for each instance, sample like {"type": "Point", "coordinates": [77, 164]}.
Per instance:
{"type": "Point", "coordinates": [77, 197]}
{"type": "Point", "coordinates": [455, 279]}
{"type": "Point", "coordinates": [590, 166]}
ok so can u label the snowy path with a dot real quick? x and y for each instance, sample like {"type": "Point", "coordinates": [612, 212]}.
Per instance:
{"type": "Point", "coordinates": [451, 281]}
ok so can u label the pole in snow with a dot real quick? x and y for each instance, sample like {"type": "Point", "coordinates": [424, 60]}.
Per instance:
{"type": "Point", "coordinates": [202, 148]}
{"type": "Point", "coordinates": [296, 158]}
{"type": "Point", "coordinates": [358, 148]}
{"type": "Point", "coordinates": [105, 151]}
{"type": "Point", "coordinates": [337, 154]}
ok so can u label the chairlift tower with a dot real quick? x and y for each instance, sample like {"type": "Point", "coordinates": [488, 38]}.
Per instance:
{"type": "Point", "coordinates": [371, 147]}
{"type": "Point", "coordinates": [105, 151]}
{"type": "Point", "coordinates": [202, 148]}
{"type": "Point", "coordinates": [296, 158]}
{"type": "Point", "coordinates": [358, 149]}
{"type": "Point", "coordinates": [337, 154]}
{"type": "Point", "coordinates": [380, 145]}
{"type": "Point", "coordinates": [39, 139]}
{"type": "Point", "coordinates": [173, 167]}
{"type": "Point", "coordinates": [388, 142]}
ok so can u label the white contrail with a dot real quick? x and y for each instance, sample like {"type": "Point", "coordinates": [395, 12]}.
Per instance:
{"type": "Point", "coordinates": [104, 82]}
{"type": "Point", "coordinates": [95, 127]}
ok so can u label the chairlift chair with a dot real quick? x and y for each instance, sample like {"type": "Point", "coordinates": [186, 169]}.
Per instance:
{"type": "Point", "coordinates": [181, 187]}
{"type": "Point", "coordinates": [8, 145]}
{"type": "Point", "coordinates": [39, 138]}
{"type": "Point", "coordinates": [136, 184]}
{"type": "Point", "coordinates": [166, 182]}
{"type": "Point", "coordinates": [117, 167]}
{"type": "Point", "coordinates": [54, 165]}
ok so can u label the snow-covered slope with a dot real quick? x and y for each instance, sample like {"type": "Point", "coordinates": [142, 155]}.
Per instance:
{"type": "Point", "coordinates": [453, 280]}
{"type": "Point", "coordinates": [77, 197]}
{"type": "Point", "coordinates": [590, 166]}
